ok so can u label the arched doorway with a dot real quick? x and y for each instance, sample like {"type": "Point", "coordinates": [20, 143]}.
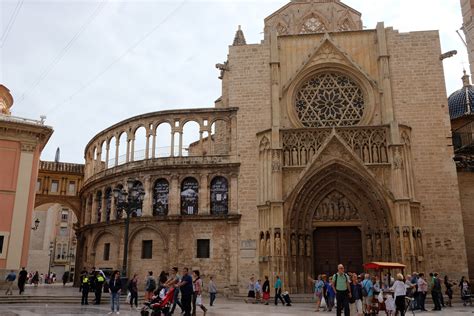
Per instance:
{"type": "Point", "coordinates": [338, 214]}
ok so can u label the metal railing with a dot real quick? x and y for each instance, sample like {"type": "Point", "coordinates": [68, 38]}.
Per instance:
{"type": "Point", "coordinates": [61, 167]}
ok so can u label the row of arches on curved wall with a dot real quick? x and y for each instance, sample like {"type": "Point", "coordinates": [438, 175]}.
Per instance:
{"type": "Point", "coordinates": [160, 195]}
{"type": "Point", "coordinates": [162, 140]}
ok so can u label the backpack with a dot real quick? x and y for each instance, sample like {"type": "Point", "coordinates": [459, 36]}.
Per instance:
{"type": "Point", "coordinates": [335, 279]}
{"type": "Point", "coordinates": [152, 285]}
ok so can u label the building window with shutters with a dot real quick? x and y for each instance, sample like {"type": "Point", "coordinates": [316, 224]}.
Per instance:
{"type": "Point", "coordinates": [54, 186]}
{"type": "Point", "coordinates": [203, 248]}
{"type": "Point", "coordinates": [147, 249]}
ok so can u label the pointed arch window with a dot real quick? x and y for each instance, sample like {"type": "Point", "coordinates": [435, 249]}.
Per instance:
{"type": "Point", "coordinates": [161, 191]}
{"type": "Point", "coordinates": [99, 206]}
{"type": "Point", "coordinates": [108, 203]}
{"type": "Point", "coordinates": [219, 196]}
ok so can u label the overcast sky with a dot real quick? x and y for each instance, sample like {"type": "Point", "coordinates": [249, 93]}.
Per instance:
{"type": "Point", "coordinates": [87, 64]}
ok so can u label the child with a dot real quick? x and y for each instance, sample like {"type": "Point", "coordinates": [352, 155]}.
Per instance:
{"type": "Point", "coordinates": [390, 305]}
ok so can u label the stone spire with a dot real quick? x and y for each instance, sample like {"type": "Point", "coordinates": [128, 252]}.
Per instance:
{"type": "Point", "coordinates": [239, 38]}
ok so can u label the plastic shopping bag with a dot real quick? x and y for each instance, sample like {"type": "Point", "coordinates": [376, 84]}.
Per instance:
{"type": "Point", "coordinates": [323, 302]}
{"type": "Point", "coordinates": [129, 296]}
{"type": "Point", "coordinates": [380, 297]}
{"type": "Point", "coordinates": [199, 300]}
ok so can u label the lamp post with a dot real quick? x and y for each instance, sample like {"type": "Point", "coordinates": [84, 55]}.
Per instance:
{"type": "Point", "coordinates": [50, 257]}
{"type": "Point", "coordinates": [128, 200]}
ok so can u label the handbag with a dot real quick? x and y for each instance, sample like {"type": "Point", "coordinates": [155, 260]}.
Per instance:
{"type": "Point", "coordinates": [129, 296]}
{"type": "Point", "coordinates": [198, 299]}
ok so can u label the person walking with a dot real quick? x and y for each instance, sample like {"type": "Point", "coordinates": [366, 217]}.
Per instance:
{"type": "Point", "coordinates": [22, 276]}
{"type": "Point", "coordinates": [99, 280]}
{"type": "Point", "coordinates": [197, 295]}
{"type": "Point", "coordinates": [277, 287]}
{"type": "Point", "coordinates": [186, 287]}
{"type": "Point", "coordinates": [330, 295]}
{"type": "Point", "coordinates": [422, 291]}
{"type": "Point", "coordinates": [150, 286]}
{"type": "Point", "coordinates": [465, 291]}
{"type": "Point", "coordinates": [65, 277]}
{"type": "Point", "coordinates": [449, 290]}
{"type": "Point", "coordinates": [115, 288]}
{"type": "Point", "coordinates": [356, 299]}
{"type": "Point", "coordinates": [85, 285]}
{"type": "Point", "coordinates": [133, 289]}
{"type": "Point", "coordinates": [35, 279]}
{"type": "Point", "coordinates": [400, 290]}
{"type": "Point", "coordinates": [212, 288]}
{"type": "Point", "coordinates": [318, 286]}
{"type": "Point", "coordinates": [367, 293]}
{"type": "Point", "coordinates": [340, 285]}
{"type": "Point", "coordinates": [175, 279]}
{"type": "Point", "coordinates": [251, 291]}
{"type": "Point", "coordinates": [11, 277]}
{"type": "Point", "coordinates": [436, 291]}
{"type": "Point", "coordinates": [266, 290]}
{"type": "Point", "coordinates": [258, 291]}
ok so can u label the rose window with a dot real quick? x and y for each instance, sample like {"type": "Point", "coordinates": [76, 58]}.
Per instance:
{"type": "Point", "coordinates": [329, 99]}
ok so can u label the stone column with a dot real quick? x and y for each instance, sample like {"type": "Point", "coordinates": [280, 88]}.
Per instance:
{"type": "Point", "coordinates": [148, 201]}
{"type": "Point", "coordinates": [147, 146]}
{"type": "Point", "coordinates": [181, 143]}
{"type": "Point", "coordinates": [234, 195]}
{"type": "Point", "coordinates": [132, 149]}
{"type": "Point", "coordinates": [172, 143]}
{"type": "Point", "coordinates": [174, 197]}
{"type": "Point", "coordinates": [117, 145]}
{"type": "Point", "coordinates": [209, 142]}
{"type": "Point", "coordinates": [203, 196]}
{"type": "Point", "coordinates": [153, 146]}
{"type": "Point", "coordinates": [94, 208]}
{"type": "Point", "coordinates": [113, 208]}
{"type": "Point", "coordinates": [127, 156]}
{"type": "Point", "coordinates": [107, 149]}
{"type": "Point", "coordinates": [103, 210]}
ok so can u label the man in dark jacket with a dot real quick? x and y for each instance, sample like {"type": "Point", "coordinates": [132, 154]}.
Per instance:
{"type": "Point", "coordinates": [22, 276]}
{"type": "Point", "coordinates": [436, 292]}
{"type": "Point", "coordinates": [98, 286]}
{"type": "Point", "coordinates": [115, 287]}
{"type": "Point", "coordinates": [85, 284]}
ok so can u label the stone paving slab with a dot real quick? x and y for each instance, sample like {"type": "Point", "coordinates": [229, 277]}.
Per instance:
{"type": "Point", "coordinates": [223, 307]}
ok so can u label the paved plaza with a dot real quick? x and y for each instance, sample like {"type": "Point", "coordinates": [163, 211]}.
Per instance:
{"type": "Point", "coordinates": [223, 307]}
{"type": "Point", "coordinates": [57, 293]}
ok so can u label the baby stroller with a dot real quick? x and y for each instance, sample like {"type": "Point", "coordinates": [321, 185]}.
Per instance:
{"type": "Point", "coordinates": [466, 296]}
{"type": "Point", "coordinates": [160, 305]}
{"type": "Point", "coordinates": [286, 298]}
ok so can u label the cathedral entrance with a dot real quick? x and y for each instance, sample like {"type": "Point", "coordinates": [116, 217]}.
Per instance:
{"type": "Point", "coordinates": [334, 245]}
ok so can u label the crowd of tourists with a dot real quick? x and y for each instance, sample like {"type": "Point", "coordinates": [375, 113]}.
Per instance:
{"type": "Point", "coordinates": [187, 289]}
{"type": "Point", "coordinates": [364, 294]}
{"type": "Point", "coordinates": [34, 278]}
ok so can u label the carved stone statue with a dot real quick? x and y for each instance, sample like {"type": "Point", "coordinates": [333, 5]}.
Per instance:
{"type": "Point", "coordinates": [277, 244]}
{"type": "Point", "coordinates": [269, 245]}
{"type": "Point", "coordinates": [398, 246]}
{"type": "Point", "coordinates": [308, 246]}
{"type": "Point", "coordinates": [336, 207]}
{"type": "Point", "coordinates": [419, 243]}
{"type": "Point", "coordinates": [406, 245]}
{"type": "Point", "coordinates": [284, 247]}
{"type": "Point", "coordinates": [293, 245]}
{"type": "Point", "coordinates": [262, 245]}
{"type": "Point", "coordinates": [397, 159]}
{"type": "Point", "coordinates": [386, 246]}
{"type": "Point", "coordinates": [369, 249]}
{"type": "Point", "coordinates": [378, 246]}
{"type": "Point", "coordinates": [301, 245]}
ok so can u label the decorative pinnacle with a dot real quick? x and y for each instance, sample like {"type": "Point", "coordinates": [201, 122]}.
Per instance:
{"type": "Point", "coordinates": [465, 79]}
{"type": "Point", "coordinates": [239, 38]}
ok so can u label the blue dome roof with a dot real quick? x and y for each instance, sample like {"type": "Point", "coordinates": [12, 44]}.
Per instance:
{"type": "Point", "coordinates": [461, 102]}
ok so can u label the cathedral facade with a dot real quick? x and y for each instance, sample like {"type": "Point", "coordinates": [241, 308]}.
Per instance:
{"type": "Point", "coordinates": [329, 144]}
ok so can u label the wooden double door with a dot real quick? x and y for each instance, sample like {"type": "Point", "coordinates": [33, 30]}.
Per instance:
{"type": "Point", "coordinates": [334, 245]}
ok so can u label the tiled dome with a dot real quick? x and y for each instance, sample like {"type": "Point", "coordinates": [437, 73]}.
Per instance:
{"type": "Point", "coordinates": [461, 102]}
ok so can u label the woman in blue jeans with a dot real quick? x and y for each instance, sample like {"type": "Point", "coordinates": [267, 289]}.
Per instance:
{"type": "Point", "coordinates": [115, 287]}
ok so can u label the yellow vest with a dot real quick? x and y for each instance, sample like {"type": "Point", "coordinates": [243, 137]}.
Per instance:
{"type": "Point", "coordinates": [85, 280]}
{"type": "Point", "coordinates": [100, 278]}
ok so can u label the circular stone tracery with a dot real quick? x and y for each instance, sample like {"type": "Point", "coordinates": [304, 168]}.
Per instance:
{"type": "Point", "coordinates": [329, 99]}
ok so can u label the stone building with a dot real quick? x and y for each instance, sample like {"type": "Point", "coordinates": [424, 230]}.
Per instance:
{"type": "Point", "coordinates": [329, 144]}
{"type": "Point", "coordinates": [21, 143]}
